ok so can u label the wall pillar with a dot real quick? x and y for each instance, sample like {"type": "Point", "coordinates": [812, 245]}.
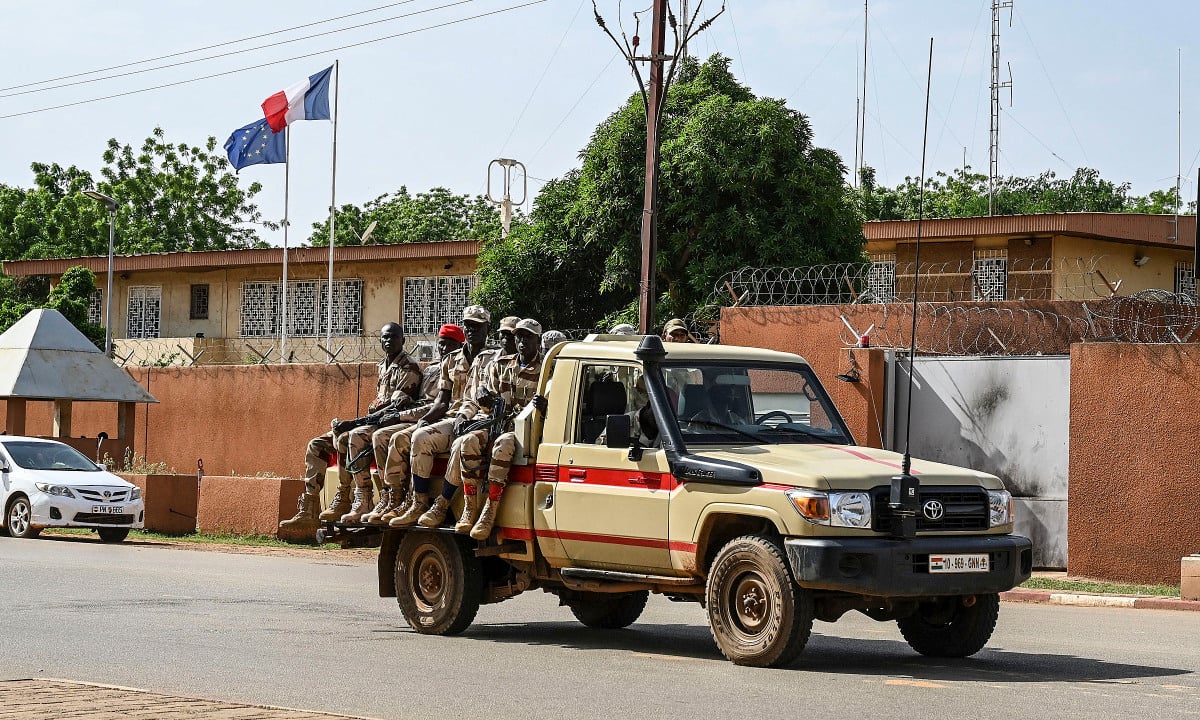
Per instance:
{"type": "Point", "coordinates": [126, 413]}
{"type": "Point", "coordinates": [15, 420]}
{"type": "Point", "coordinates": [62, 419]}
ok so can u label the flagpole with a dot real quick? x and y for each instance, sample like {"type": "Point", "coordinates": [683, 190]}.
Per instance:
{"type": "Point", "coordinates": [287, 164]}
{"type": "Point", "coordinates": [332, 215]}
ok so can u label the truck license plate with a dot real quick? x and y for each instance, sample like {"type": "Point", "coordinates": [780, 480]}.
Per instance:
{"type": "Point", "coordinates": [958, 563]}
{"type": "Point", "coordinates": [108, 509]}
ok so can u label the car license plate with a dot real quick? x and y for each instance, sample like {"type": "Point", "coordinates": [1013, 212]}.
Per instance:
{"type": "Point", "coordinates": [959, 563]}
{"type": "Point", "coordinates": [108, 509]}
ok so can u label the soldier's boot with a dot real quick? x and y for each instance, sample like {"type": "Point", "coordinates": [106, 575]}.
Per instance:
{"type": "Point", "coordinates": [487, 519]}
{"type": "Point", "coordinates": [403, 498]}
{"type": "Point", "coordinates": [304, 525]}
{"type": "Point", "coordinates": [470, 508]}
{"type": "Point", "coordinates": [385, 500]}
{"type": "Point", "coordinates": [364, 500]}
{"type": "Point", "coordinates": [339, 506]}
{"type": "Point", "coordinates": [435, 515]}
{"type": "Point", "coordinates": [417, 508]}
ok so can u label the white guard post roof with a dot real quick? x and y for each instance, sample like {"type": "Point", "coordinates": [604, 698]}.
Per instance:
{"type": "Point", "coordinates": [44, 357]}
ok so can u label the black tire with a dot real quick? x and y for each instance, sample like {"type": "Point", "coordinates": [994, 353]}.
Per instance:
{"type": "Point", "coordinates": [18, 516]}
{"type": "Point", "coordinates": [758, 615]}
{"type": "Point", "coordinates": [112, 535]}
{"type": "Point", "coordinates": [439, 582]}
{"type": "Point", "coordinates": [609, 611]}
{"type": "Point", "coordinates": [948, 628]}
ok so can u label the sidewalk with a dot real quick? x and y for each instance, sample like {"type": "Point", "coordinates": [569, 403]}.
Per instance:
{"type": "Point", "coordinates": [1083, 599]}
{"type": "Point", "coordinates": [44, 699]}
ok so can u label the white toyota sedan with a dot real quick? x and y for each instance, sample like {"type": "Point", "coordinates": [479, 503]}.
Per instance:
{"type": "Point", "coordinates": [44, 483]}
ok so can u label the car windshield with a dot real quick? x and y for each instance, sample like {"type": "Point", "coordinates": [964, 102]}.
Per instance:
{"type": "Point", "coordinates": [761, 404]}
{"type": "Point", "coordinates": [48, 456]}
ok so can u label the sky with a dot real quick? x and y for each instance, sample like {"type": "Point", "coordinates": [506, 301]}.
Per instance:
{"type": "Point", "coordinates": [1095, 83]}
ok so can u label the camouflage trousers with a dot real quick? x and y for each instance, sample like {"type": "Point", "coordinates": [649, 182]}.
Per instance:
{"type": "Point", "coordinates": [392, 444]}
{"type": "Point", "coordinates": [315, 461]}
{"type": "Point", "coordinates": [427, 442]}
{"type": "Point", "coordinates": [466, 458]}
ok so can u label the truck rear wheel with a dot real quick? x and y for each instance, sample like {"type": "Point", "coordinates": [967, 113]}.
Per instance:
{"type": "Point", "coordinates": [759, 616]}
{"type": "Point", "coordinates": [609, 611]}
{"type": "Point", "coordinates": [951, 627]}
{"type": "Point", "coordinates": [439, 582]}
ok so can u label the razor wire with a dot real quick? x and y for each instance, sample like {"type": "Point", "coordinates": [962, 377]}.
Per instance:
{"type": "Point", "coordinates": [1147, 316]}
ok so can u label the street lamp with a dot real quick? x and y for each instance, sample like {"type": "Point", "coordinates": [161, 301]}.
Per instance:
{"type": "Point", "coordinates": [111, 206]}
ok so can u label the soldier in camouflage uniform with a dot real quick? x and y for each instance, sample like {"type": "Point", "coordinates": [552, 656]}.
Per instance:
{"type": "Point", "coordinates": [508, 338]}
{"type": "Point", "coordinates": [399, 378]}
{"type": "Point", "coordinates": [515, 379]}
{"type": "Point", "coordinates": [462, 376]}
{"type": "Point", "coordinates": [450, 338]}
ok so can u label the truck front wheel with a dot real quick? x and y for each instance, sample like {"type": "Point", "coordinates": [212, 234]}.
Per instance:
{"type": "Point", "coordinates": [951, 627]}
{"type": "Point", "coordinates": [439, 582]}
{"type": "Point", "coordinates": [759, 616]}
{"type": "Point", "coordinates": [609, 611]}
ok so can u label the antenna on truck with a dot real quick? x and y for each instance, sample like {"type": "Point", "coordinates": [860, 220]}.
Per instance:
{"type": "Point", "coordinates": [904, 498]}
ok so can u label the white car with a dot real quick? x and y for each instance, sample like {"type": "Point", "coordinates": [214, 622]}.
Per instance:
{"type": "Point", "coordinates": [44, 483]}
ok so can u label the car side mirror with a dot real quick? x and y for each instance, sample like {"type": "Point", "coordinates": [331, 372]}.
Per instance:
{"type": "Point", "coordinates": [4, 467]}
{"type": "Point", "coordinates": [617, 431]}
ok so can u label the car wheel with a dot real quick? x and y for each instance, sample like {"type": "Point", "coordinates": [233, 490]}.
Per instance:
{"type": "Point", "coordinates": [439, 582]}
{"type": "Point", "coordinates": [951, 627]}
{"type": "Point", "coordinates": [758, 615]}
{"type": "Point", "coordinates": [20, 518]}
{"type": "Point", "coordinates": [113, 535]}
{"type": "Point", "coordinates": [609, 611]}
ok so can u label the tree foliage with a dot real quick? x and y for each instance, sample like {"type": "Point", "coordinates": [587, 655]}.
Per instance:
{"type": "Point", "coordinates": [741, 184]}
{"type": "Point", "coordinates": [404, 218]}
{"type": "Point", "coordinates": [962, 193]}
{"type": "Point", "coordinates": [170, 197]}
{"type": "Point", "coordinates": [70, 297]}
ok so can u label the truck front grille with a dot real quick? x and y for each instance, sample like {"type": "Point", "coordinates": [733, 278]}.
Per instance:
{"type": "Point", "coordinates": [964, 508]}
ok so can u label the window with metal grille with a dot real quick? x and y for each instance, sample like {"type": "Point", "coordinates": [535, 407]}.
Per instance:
{"type": "Point", "coordinates": [430, 302]}
{"type": "Point", "coordinates": [199, 309]}
{"type": "Point", "coordinates": [991, 275]}
{"type": "Point", "coordinates": [881, 278]}
{"type": "Point", "coordinates": [1185, 279]}
{"type": "Point", "coordinates": [96, 308]}
{"type": "Point", "coordinates": [144, 311]}
{"type": "Point", "coordinates": [306, 308]}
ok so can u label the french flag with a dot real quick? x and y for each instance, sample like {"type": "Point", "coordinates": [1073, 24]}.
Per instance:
{"type": "Point", "coordinates": [306, 100]}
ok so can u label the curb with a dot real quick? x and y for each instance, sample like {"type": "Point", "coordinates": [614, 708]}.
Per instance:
{"type": "Point", "coordinates": [1084, 600]}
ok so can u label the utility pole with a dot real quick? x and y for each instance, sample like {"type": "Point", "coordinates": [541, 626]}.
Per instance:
{"type": "Point", "coordinates": [997, 85]}
{"type": "Point", "coordinates": [506, 203]}
{"type": "Point", "coordinates": [647, 296]}
{"type": "Point", "coordinates": [860, 148]}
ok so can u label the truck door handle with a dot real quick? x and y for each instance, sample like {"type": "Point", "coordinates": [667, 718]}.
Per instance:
{"type": "Point", "coordinates": [576, 475]}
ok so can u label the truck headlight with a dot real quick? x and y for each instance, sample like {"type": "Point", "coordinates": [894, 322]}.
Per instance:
{"type": "Point", "coordinates": [49, 489]}
{"type": "Point", "coordinates": [1000, 508]}
{"type": "Point", "coordinates": [848, 509]}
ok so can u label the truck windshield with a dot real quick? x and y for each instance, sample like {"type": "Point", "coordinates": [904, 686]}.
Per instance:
{"type": "Point", "coordinates": [738, 403]}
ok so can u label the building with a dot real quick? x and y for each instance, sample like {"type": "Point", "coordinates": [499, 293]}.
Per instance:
{"type": "Point", "coordinates": [1063, 256]}
{"type": "Point", "coordinates": [225, 306]}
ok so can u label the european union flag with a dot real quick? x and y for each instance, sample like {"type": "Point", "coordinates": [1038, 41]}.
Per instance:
{"type": "Point", "coordinates": [256, 143]}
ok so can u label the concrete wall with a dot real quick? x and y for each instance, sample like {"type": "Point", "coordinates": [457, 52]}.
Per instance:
{"type": "Point", "coordinates": [1135, 479]}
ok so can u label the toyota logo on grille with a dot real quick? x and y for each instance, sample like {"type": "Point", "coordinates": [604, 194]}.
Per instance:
{"type": "Point", "coordinates": [933, 510]}
{"type": "Point", "coordinates": [107, 493]}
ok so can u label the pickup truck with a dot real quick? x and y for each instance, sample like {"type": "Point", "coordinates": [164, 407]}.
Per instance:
{"type": "Point", "coordinates": [724, 476]}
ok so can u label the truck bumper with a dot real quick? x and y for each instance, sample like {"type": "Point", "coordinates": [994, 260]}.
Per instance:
{"type": "Point", "coordinates": [886, 567]}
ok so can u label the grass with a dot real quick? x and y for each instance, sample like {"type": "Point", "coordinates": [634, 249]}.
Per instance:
{"type": "Point", "coordinates": [1099, 587]}
{"type": "Point", "coordinates": [200, 538]}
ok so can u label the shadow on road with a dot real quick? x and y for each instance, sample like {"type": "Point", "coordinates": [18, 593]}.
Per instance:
{"type": "Point", "coordinates": [829, 654]}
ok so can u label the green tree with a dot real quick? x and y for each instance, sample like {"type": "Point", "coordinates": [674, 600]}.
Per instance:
{"type": "Point", "coordinates": [70, 297]}
{"type": "Point", "coordinates": [171, 197]}
{"type": "Point", "coordinates": [741, 184]}
{"type": "Point", "coordinates": [404, 218]}
{"type": "Point", "coordinates": [963, 193]}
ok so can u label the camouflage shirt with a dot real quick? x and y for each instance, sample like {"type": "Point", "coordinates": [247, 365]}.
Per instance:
{"type": "Point", "coordinates": [463, 379]}
{"type": "Point", "coordinates": [399, 380]}
{"type": "Point", "coordinates": [514, 382]}
{"type": "Point", "coordinates": [431, 377]}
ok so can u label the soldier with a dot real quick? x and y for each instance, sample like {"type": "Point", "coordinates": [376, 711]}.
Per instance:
{"type": "Point", "coordinates": [508, 341]}
{"type": "Point", "coordinates": [450, 338]}
{"type": "Point", "coordinates": [399, 377]}
{"type": "Point", "coordinates": [550, 338]}
{"type": "Point", "coordinates": [462, 376]}
{"type": "Point", "coordinates": [676, 331]}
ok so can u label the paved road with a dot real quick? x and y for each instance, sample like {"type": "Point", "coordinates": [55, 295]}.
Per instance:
{"type": "Point", "coordinates": [310, 633]}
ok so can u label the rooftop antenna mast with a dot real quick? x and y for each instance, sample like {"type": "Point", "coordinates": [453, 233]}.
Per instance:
{"type": "Point", "coordinates": [904, 498]}
{"type": "Point", "coordinates": [997, 86]}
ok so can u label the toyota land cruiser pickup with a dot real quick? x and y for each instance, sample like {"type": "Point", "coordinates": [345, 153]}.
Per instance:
{"type": "Point", "coordinates": [724, 476]}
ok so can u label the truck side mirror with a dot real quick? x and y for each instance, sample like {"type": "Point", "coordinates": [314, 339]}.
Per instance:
{"type": "Point", "coordinates": [617, 431]}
